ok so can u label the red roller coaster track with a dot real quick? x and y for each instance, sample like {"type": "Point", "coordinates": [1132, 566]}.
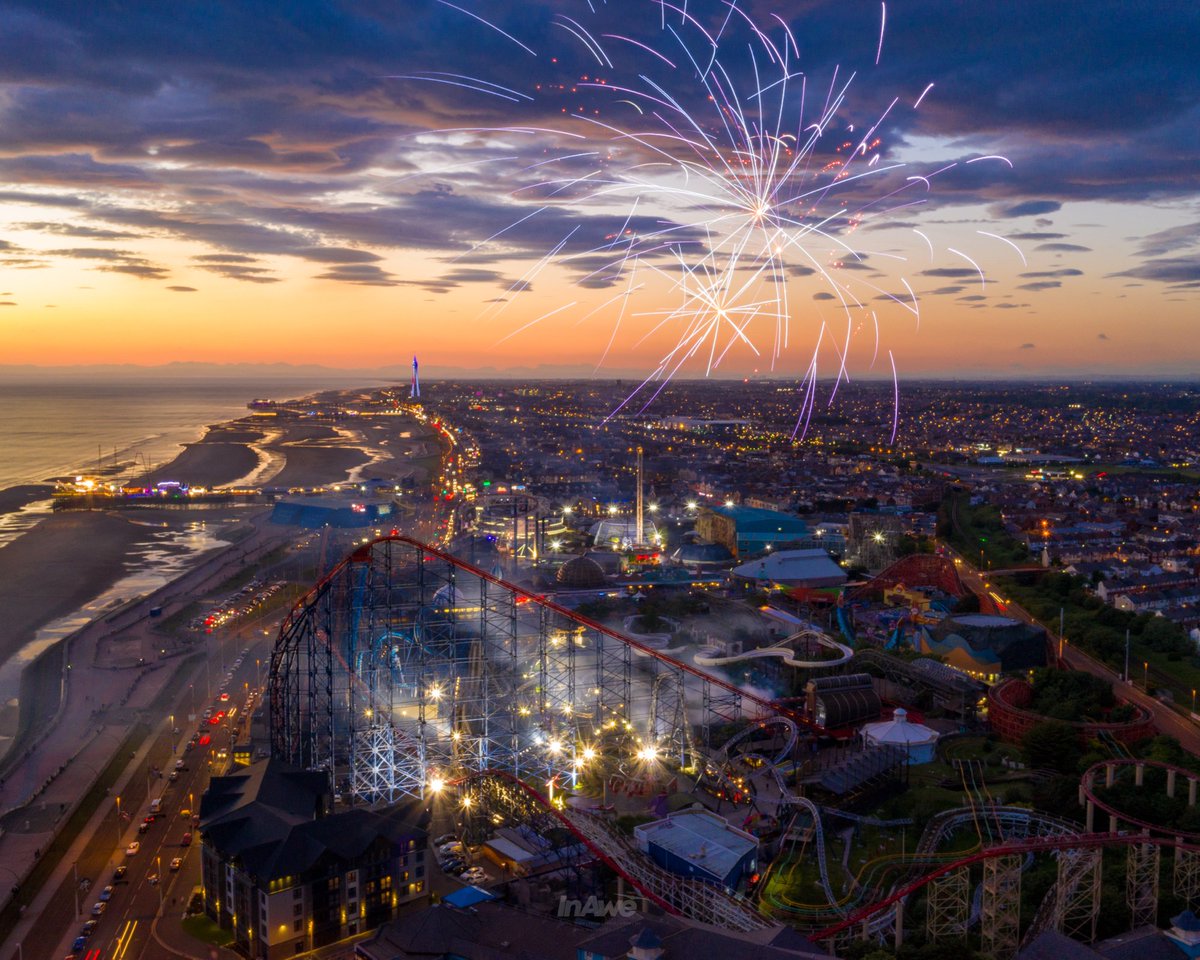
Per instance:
{"type": "Point", "coordinates": [1039, 845]}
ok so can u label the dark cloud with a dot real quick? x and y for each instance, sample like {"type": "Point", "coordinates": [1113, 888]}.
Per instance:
{"type": "Point", "coordinates": [1040, 285]}
{"type": "Point", "coordinates": [77, 230]}
{"type": "Point", "coordinates": [1166, 241]}
{"type": "Point", "coordinates": [238, 271]}
{"type": "Point", "coordinates": [951, 272]}
{"type": "Point", "coordinates": [143, 271]}
{"type": "Point", "coordinates": [337, 255]}
{"type": "Point", "coordinates": [1102, 336]}
{"type": "Point", "coordinates": [182, 289]}
{"type": "Point", "coordinates": [1064, 272]}
{"type": "Point", "coordinates": [822, 295]}
{"type": "Point", "coordinates": [1063, 248]}
{"type": "Point", "coordinates": [365, 273]}
{"type": "Point", "coordinates": [1027, 346]}
{"type": "Point", "coordinates": [225, 258]}
{"type": "Point", "coordinates": [1026, 208]}
{"type": "Point", "coordinates": [1166, 270]}
{"type": "Point", "coordinates": [944, 291]}
{"type": "Point", "coordinates": [1034, 235]}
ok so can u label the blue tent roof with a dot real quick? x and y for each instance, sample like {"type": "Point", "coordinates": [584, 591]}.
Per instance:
{"type": "Point", "coordinates": [468, 897]}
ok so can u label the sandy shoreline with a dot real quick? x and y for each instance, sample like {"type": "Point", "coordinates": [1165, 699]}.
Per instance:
{"type": "Point", "coordinates": [70, 558]}
{"type": "Point", "coordinates": [67, 560]}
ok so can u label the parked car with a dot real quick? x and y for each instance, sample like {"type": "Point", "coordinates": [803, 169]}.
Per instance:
{"type": "Point", "coordinates": [444, 839]}
{"type": "Point", "coordinates": [89, 928]}
{"type": "Point", "coordinates": [106, 893]}
{"type": "Point", "coordinates": [98, 908]}
{"type": "Point", "coordinates": [446, 849]}
{"type": "Point", "coordinates": [79, 944]}
{"type": "Point", "coordinates": [474, 875]}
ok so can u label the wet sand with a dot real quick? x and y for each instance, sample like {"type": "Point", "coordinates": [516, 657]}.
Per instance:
{"type": "Point", "coordinates": [53, 570]}
{"type": "Point", "coordinates": [16, 497]}
{"type": "Point", "coordinates": [312, 466]}
{"type": "Point", "coordinates": [207, 464]}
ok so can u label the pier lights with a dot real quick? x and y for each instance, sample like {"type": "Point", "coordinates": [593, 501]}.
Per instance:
{"type": "Point", "coordinates": [692, 505]}
{"type": "Point", "coordinates": [555, 747]}
{"type": "Point", "coordinates": [436, 784]}
{"type": "Point", "coordinates": [435, 692]}
{"type": "Point", "coordinates": [589, 754]}
{"type": "Point", "coordinates": [647, 754]}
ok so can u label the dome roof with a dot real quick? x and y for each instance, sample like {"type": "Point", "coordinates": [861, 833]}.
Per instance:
{"type": "Point", "coordinates": [899, 731]}
{"type": "Point", "coordinates": [581, 573]}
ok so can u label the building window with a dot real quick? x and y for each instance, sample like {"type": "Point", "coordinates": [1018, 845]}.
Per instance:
{"type": "Point", "coordinates": [297, 893]}
{"type": "Point", "coordinates": [297, 926]}
{"type": "Point", "coordinates": [298, 910]}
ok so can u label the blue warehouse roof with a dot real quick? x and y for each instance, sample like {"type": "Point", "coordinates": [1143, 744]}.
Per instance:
{"type": "Point", "coordinates": [757, 520]}
{"type": "Point", "coordinates": [700, 838]}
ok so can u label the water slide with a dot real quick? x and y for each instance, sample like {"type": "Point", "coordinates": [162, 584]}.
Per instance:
{"type": "Point", "coordinates": [844, 624]}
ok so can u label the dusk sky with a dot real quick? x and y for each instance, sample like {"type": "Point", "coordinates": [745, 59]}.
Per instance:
{"type": "Point", "coordinates": [503, 183]}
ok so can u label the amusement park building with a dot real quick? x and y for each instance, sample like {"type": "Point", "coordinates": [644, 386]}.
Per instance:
{"type": "Point", "coordinates": [746, 531]}
{"type": "Point", "coordinates": [811, 569]}
{"type": "Point", "coordinates": [698, 843]}
{"type": "Point", "coordinates": [333, 511]}
{"type": "Point", "coordinates": [285, 875]}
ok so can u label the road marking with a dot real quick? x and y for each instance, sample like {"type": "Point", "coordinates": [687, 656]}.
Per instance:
{"type": "Point", "coordinates": [124, 940]}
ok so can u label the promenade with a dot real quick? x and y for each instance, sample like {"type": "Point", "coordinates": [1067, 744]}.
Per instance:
{"type": "Point", "coordinates": [102, 702]}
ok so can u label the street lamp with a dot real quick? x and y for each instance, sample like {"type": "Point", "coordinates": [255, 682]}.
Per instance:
{"type": "Point", "coordinates": [1146, 675]}
{"type": "Point", "coordinates": [118, 820]}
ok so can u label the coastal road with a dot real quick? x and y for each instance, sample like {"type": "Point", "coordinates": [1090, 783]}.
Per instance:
{"type": "Point", "coordinates": [1167, 720]}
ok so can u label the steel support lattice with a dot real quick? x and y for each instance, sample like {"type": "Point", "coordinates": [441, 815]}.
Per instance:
{"type": "Point", "coordinates": [948, 905]}
{"type": "Point", "coordinates": [1077, 893]}
{"type": "Point", "coordinates": [1141, 883]}
{"type": "Point", "coordinates": [406, 666]}
{"type": "Point", "coordinates": [1000, 919]}
{"type": "Point", "coordinates": [1185, 876]}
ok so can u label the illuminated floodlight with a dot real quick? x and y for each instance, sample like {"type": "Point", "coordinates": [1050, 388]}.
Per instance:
{"type": "Point", "coordinates": [647, 754]}
{"type": "Point", "coordinates": [589, 753]}
{"type": "Point", "coordinates": [435, 692]}
{"type": "Point", "coordinates": [437, 785]}
{"type": "Point", "coordinates": [554, 746]}
{"type": "Point", "coordinates": [691, 504]}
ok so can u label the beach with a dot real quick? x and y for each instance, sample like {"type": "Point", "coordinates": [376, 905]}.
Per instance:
{"type": "Point", "coordinates": [69, 558]}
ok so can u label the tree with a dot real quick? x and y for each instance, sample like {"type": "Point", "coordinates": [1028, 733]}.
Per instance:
{"type": "Point", "coordinates": [1052, 745]}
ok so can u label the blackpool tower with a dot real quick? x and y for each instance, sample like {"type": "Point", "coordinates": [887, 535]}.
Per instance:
{"type": "Point", "coordinates": [415, 391]}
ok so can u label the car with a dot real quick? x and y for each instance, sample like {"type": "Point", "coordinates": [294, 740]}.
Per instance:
{"type": "Point", "coordinates": [195, 819]}
{"type": "Point", "coordinates": [446, 849]}
{"type": "Point", "coordinates": [173, 776]}
{"type": "Point", "coordinates": [152, 879]}
{"type": "Point", "coordinates": [208, 712]}
{"type": "Point", "coordinates": [132, 849]}
{"type": "Point", "coordinates": [224, 698]}
{"type": "Point", "coordinates": [457, 869]}
{"type": "Point", "coordinates": [98, 908]}
{"type": "Point", "coordinates": [187, 840]}
{"type": "Point", "coordinates": [89, 928]}
{"type": "Point", "coordinates": [143, 827]}
{"type": "Point", "coordinates": [222, 754]}
{"type": "Point", "coordinates": [474, 875]}
{"type": "Point", "coordinates": [180, 765]}
{"type": "Point", "coordinates": [120, 872]}
{"type": "Point", "coordinates": [185, 812]}
{"type": "Point", "coordinates": [451, 865]}
{"type": "Point", "coordinates": [79, 944]}
{"type": "Point", "coordinates": [205, 740]}
{"type": "Point", "coordinates": [106, 894]}
{"type": "Point", "coordinates": [190, 745]}
{"type": "Point", "coordinates": [444, 839]}
{"type": "Point", "coordinates": [176, 863]}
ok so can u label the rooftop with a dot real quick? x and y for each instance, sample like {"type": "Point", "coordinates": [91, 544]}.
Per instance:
{"type": "Point", "coordinates": [701, 837]}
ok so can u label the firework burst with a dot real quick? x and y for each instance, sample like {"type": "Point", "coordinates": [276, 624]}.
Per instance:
{"type": "Point", "coordinates": [733, 180]}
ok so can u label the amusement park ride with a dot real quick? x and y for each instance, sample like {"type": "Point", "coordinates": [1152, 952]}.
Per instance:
{"type": "Point", "coordinates": [406, 672]}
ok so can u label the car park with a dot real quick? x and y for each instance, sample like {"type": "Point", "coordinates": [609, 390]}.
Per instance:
{"type": "Point", "coordinates": [132, 849]}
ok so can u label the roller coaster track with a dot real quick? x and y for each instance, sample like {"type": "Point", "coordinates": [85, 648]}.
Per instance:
{"type": "Point", "coordinates": [1014, 848]}
{"type": "Point", "coordinates": [684, 896]}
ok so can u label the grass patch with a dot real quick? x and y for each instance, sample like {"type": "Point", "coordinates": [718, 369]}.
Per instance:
{"type": "Point", "coordinates": [203, 928]}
